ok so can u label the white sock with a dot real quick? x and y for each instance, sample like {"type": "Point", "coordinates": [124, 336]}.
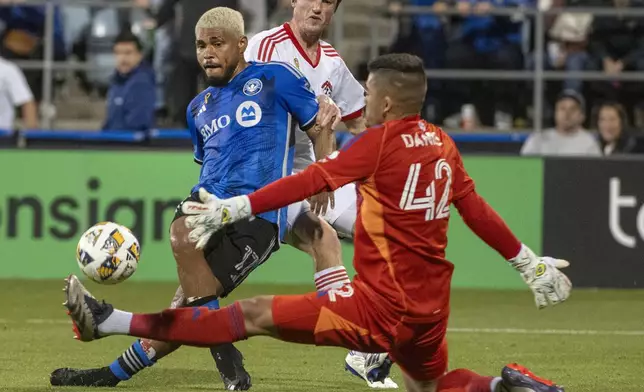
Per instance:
{"type": "Point", "coordinates": [118, 323]}
{"type": "Point", "coordinates": [495, 383]}
{"type": "Point", "coordinates": [331, 278]}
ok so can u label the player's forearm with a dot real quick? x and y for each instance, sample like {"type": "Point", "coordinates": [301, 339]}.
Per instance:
{"type": "Point", "coordinates": [356, 125]}
{"type": "Point", "coordinates": [30, 115]}
{"type": "Point", "coordinates": [323, 143]}
{"type": "Point", "coordinates": [488, 225]}
{"type": "Point", "coordinates": [288, 190]}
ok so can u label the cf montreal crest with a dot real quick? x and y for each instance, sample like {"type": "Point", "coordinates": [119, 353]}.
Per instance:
{"type": "Point", "coordinates": [253, 87]}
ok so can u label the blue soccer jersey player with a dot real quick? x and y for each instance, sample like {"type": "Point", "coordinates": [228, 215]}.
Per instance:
{"type": "Point", "coordinates": [243, 132]}
{"type": "Point", "coordinates": [242, 129]}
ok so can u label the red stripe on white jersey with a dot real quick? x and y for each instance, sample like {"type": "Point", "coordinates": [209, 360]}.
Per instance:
{"type": "Point", "coordinates": [269, 53]}
{"type": "Point", "coordinates": [270, 44]}
{"type": "Point", "coordinates": [353, 115]}
{"type": "Point", "coordinates": [266, 40]}
{"type": "Point", "coordinates": [330, 51]}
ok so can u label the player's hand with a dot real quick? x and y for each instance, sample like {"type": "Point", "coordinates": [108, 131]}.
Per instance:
{"type": "Point", "coordinates": [211, 214]}
{"type": "Point", "coordinates": [320, 202]}
{"type": "Point", "coordinates": [549, 285]}
{"type": "Point", "coordinates": [329, 115]}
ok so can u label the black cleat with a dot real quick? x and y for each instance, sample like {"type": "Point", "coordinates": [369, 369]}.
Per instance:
{"type": "Point", "coordinates": [230, 363]}
{"type": "Point", "coordinates": [516, 378]}
{"type": "Point", "coordinates": [67, 377]}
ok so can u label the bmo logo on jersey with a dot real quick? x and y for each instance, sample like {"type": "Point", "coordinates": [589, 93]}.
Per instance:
{"type": "Point", "coordinates": [208, 130]}
{"type": "Point", "coordinates": [248, 114]}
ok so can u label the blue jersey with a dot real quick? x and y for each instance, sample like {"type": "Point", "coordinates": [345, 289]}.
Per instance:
{"type": "Point", "coordinates": [243, 133]}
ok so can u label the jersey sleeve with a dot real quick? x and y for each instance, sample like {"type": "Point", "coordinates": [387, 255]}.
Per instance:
{"type": "Point", "coordinates": [197, 142]}
{"type": "Point", "coordinates": [355, 162]}
{"type": "Point", "coordinates": [349, 95]}
{"type": "Point", "coordinates": [295, 94]}
{"type": "Point", "coordinates": [462, 183]}
{"type": "Point", "coordinates": [19, 90]}
{"type": "Point", "coordinates": [252, 50]}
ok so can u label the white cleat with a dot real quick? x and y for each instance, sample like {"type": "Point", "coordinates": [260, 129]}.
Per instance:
{"type": "Point", "coordinates": [372, 368]}
{"type": "Point", "coordinates": [84, 310]}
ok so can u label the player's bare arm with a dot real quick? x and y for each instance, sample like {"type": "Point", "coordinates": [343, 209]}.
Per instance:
{"type": "Point", "coordinates": [356, 125]}
{"type": "Point", "coordinates": [323, 137]}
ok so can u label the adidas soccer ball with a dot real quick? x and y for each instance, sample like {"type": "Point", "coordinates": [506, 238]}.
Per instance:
{"type": "Point", "coordinates": [108, 253]}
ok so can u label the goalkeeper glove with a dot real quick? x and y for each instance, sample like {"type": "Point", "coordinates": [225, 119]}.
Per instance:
{"type": "Point", "coordinates": [212, 214]}
{"type": "Point", "coordinates": [549, 285]}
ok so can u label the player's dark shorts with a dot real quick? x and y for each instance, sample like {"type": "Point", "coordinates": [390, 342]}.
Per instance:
{"type": "Point", "coordinates": [235, 251]}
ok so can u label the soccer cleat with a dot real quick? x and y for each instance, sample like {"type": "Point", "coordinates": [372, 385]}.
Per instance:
{"type": "Point", "coordinates": [230, 363]}
{"type": "Point", "coordinates": [84, 310]}
{"type": "Point", "coordinates": [67, 377]}
{"type": "Point", "coordinates": [372, 368]}
{"type": "Point", "coordinates": [516, 378]}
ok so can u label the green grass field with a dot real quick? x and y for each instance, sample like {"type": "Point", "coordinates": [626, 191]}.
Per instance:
{"type": "Point", "coordinates": [593, 343]}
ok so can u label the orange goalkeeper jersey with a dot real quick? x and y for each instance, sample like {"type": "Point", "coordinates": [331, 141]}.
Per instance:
{"type": "Point", "coordinates": [408, 172]}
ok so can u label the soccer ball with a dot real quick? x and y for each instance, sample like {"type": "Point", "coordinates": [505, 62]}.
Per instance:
{"type": "Point", "coordinates": [108, 253]}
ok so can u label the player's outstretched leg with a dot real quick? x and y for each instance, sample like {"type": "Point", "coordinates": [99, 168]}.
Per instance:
{"type": "Point", "coordinates": [197, 326]}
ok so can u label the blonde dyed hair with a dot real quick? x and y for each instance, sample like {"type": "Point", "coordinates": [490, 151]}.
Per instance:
{"type": "Point", "coordinates": [222, 18]}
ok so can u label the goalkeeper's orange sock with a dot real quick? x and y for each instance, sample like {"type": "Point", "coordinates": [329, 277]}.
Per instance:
{"type": "Point", "coordinates": [463, 380]}
{"type": "Point", "coordinates": [199, 326]}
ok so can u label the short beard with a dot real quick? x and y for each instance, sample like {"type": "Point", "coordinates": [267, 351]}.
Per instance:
{"type": "Point", "coordinates": [222, 80]}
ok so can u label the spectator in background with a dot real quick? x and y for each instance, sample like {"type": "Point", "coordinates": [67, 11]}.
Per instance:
{"type": "Point", "coordinates": [424, 36]}
{"type": "Point", "coordinates": [487, 42]}
{"type": "Point", "coordinates": [568, 137]}
{"type": "Point", "coordinates": [23, 38]}
{"type": "Point", "coordinates": [15, 92]}
{"type": "Point", "coordinates": [162, 56]}
{"type": "Point", "coordinates": [617, 45]}
{"type": "Point", "coordinates": [131, 96]}
{"type": "Point", "coordinates": [614, 135]}
{"type": "Point", "coordinates": [567, 49]}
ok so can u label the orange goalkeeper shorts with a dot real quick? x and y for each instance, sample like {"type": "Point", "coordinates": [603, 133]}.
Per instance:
{"type": "Point", "coordinates": [349, 318]}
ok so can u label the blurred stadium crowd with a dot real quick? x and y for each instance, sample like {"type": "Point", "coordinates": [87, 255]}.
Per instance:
{"type": "Point", "coordinates": [141, 72]}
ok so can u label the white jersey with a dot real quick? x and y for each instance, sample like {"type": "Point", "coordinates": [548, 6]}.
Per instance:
{"type": "Point", "coordinates": [329, 75]}
{"type": "Point", "coordinates": [14, 91]}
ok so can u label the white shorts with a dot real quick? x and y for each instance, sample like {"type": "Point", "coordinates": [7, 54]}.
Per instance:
{"type": "Point", "coordinates": [342, 217]}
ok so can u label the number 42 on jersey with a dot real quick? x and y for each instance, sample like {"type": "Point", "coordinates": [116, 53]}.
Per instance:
{"type": "Point", "coordinates": [408, 201]}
